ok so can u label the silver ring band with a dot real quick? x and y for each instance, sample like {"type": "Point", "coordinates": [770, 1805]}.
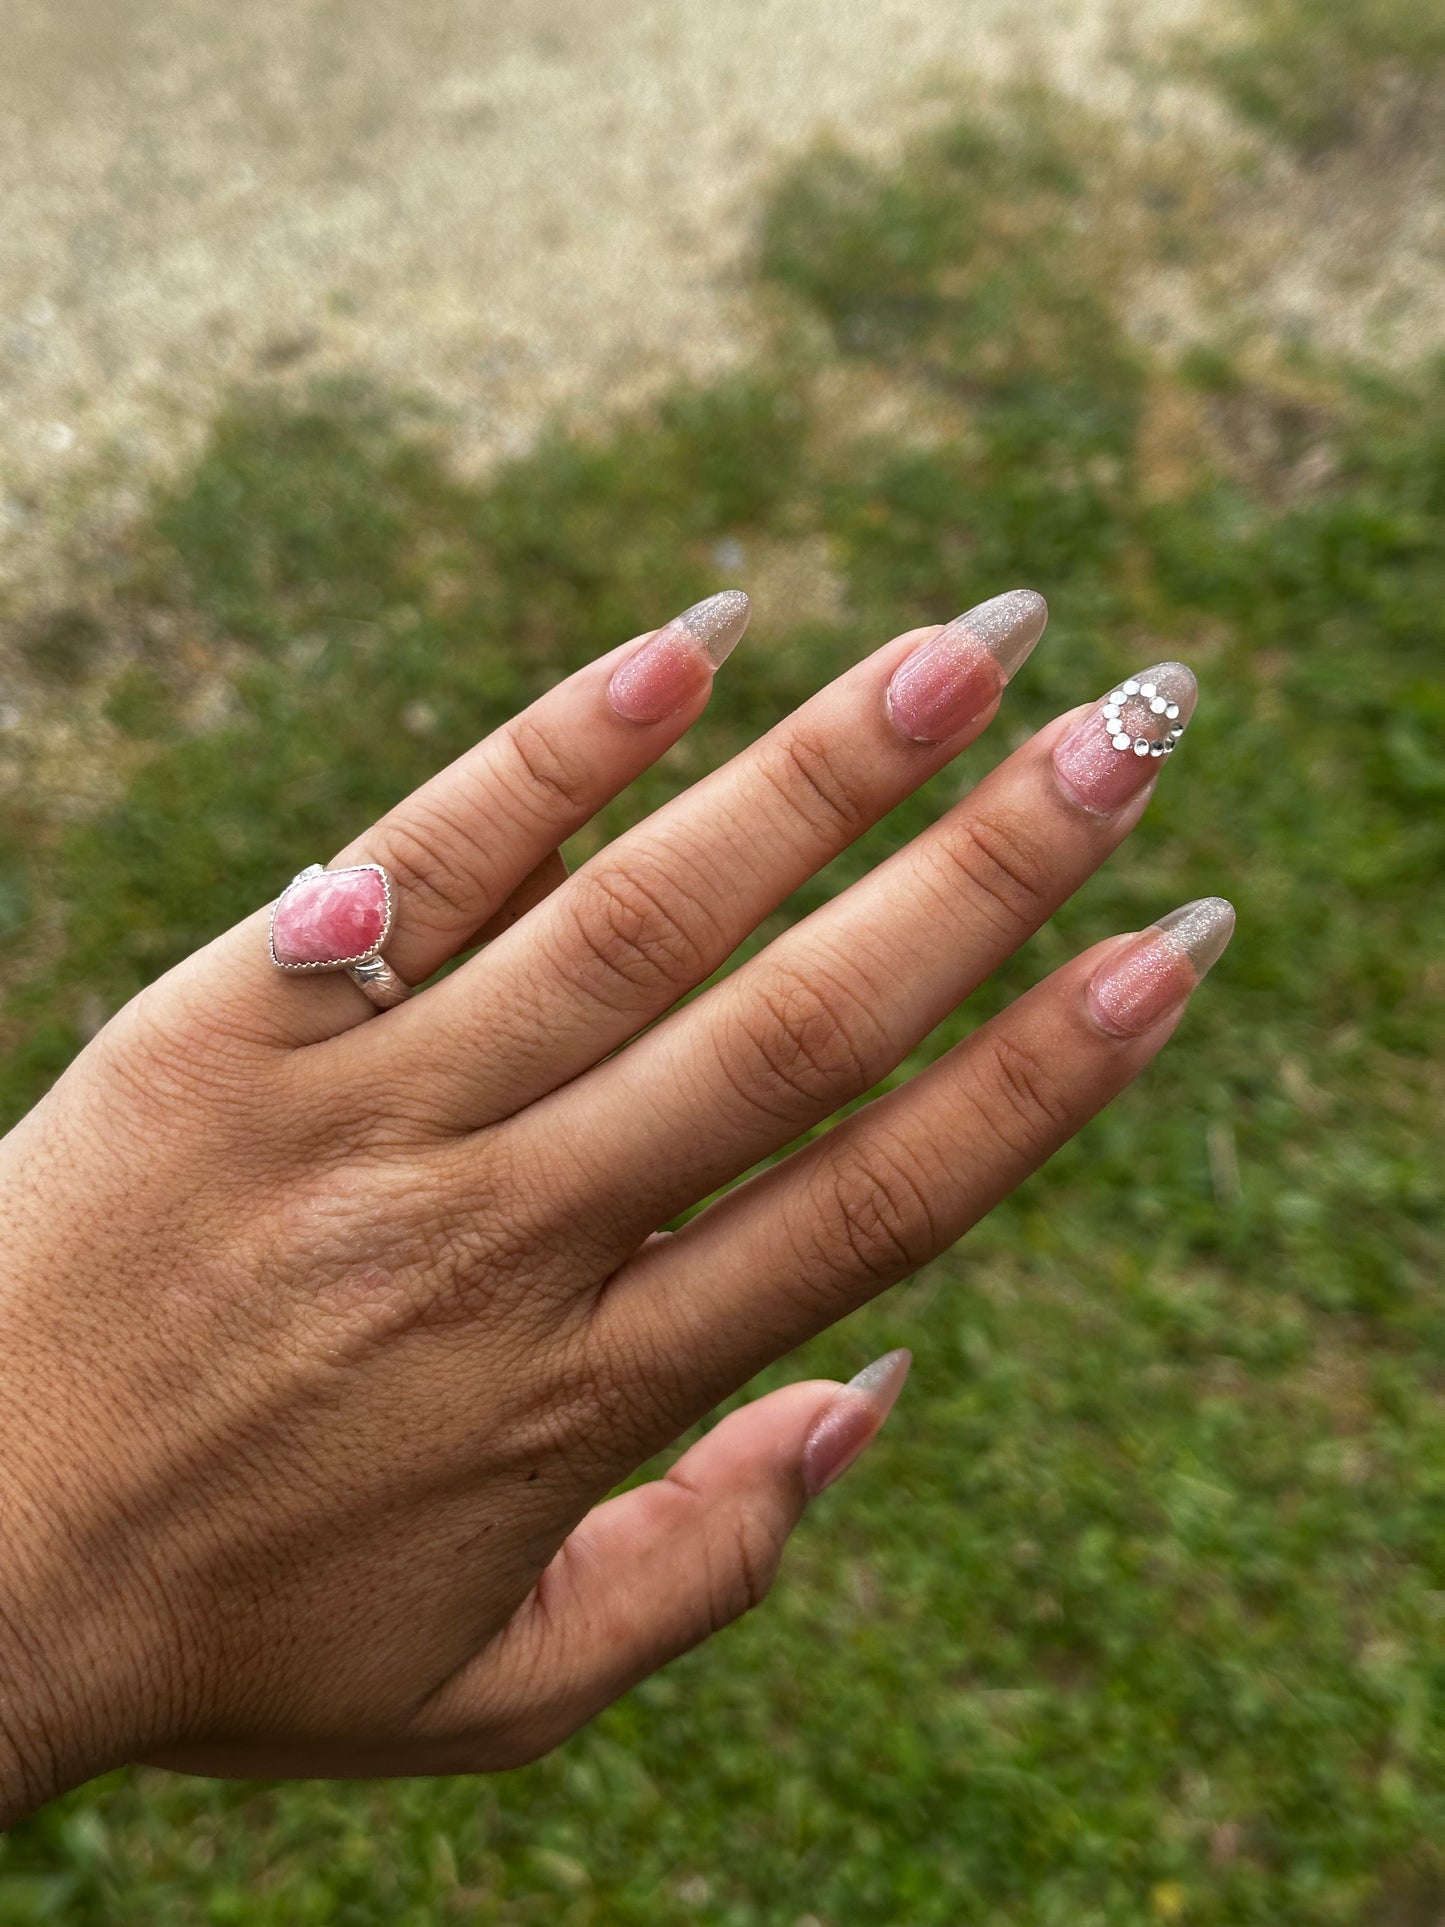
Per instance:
{"type": "Point", "coordinates": [376, 979]}
{"type": "Point", "coordinates": [327, 920]}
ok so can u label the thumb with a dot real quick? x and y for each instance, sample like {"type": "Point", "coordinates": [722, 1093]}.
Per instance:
{"type": "Point", "coordinates": [655, 1571]}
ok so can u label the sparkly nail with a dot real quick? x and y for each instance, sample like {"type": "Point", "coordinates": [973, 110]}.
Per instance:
{"type": "Point", "coordinates": [678, 661]}
{"type": "Point", "coordinates": [1133, 992]}
{"type": "Point", "coordinates": [853, 1420]}
{"type": "Point", "coordinates": [957, 674]}
{"type": "Point", "coordinates": [1115, 752]}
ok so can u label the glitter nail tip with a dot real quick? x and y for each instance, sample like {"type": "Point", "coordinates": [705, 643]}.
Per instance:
{"type": "Point", "coordinates": [1201, 929]}
{"type": "Point", "coordinates": [718, 623]}
{"type": "Point", "coordinates": [1007, 625]}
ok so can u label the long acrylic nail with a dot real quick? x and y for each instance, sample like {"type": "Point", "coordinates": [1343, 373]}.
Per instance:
{"type": "Point", "coordinates": [853, 1420]}
{"type": "Point", "coordinates": [1133, 991]}
{"type": "Point", "coordinates": [1115, 752]}
{"type": "Point", "coordinates": [678, 661]}
{"type": "Point", "coordinates": [954, 676]}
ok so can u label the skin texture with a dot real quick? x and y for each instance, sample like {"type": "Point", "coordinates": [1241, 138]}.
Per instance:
{"type": "Point", "coordinates": [325, 1334]}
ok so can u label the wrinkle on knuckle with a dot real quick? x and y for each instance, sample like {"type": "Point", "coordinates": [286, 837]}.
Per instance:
{"type": "Point", "coordinates": [1021, 1101]}
{"type": "Point", "coordinates": [553, 783]}
{"type": "Point", "coordinates": [808, 772]}
{"type": "Point", "coordinates": [639, 933]}
{"type": "Point", "coordinates": [874, 1221]}
{"type": "Point", "coordinates": [1002, 868]}
{"type": "Point", "coordinates": [744, 1553]}
{"type": "Point", "coordinates": [613, 1407]}
{"type": "Point", "coordinates": [436, 865]}
{"type": "Point", "coordinates": [434, 1268]}
{"type": "Point", "coordinates": [804, 1038]}
{"type": "Point", "coordinates": [166, 1050]}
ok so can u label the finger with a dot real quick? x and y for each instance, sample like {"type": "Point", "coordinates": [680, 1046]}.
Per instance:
{"type": "Point", "coordinates": [831, 1007]}
{"type": "Point", "coordinates": [654, 1572]}
{"type": "Point", "coordinates": [897, 1182]}
{"type": "Point", "coordinates": [662, 907]}
{"type": "Point", "coordinates": [459, 847]}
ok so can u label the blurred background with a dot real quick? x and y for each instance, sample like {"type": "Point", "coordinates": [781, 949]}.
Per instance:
{"type": "Point", "coordinates": [360, 375]}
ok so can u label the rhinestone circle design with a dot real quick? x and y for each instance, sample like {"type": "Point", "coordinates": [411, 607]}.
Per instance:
{"type": "Point", "coordinates": [1162, 713]}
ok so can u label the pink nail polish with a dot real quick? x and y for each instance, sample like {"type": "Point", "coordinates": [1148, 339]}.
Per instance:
{"type": "Point", "coordinates": [953, 677]}
{"type": "Point", "coordinates": [1115, 752]}
{"type": "Point", "coordinates": [1133, 991]}
{"type": "Point", "coordinates": [853, 1420]}
{"type": "Point", "coordinates": [678, 661]}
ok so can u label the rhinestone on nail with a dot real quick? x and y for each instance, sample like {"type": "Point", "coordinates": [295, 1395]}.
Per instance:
{"type": "Point", "coordinates": [1146, 697]}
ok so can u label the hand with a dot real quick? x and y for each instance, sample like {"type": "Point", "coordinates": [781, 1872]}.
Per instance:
{"type": "Point", "coordinates": [325, 1332]}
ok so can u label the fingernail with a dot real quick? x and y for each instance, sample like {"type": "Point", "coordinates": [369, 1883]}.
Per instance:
{"type": "Point", "coordinates": [678, 661]}
{"type": "Point", "coordinates": [853, 1420]}
{"type": "Point", "coordinates": [1132, 992]}
{"type": "Point", "coordinates": [1115, 752]}
{"type": "Point", "coordinates": [954, 676]}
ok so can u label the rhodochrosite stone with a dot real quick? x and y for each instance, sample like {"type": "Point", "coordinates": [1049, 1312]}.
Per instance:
{"type": "Point", "coordinates": [330, 919]}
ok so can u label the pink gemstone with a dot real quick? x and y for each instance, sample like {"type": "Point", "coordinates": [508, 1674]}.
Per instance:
{"type": "Point", "coordinates": [330, 918]}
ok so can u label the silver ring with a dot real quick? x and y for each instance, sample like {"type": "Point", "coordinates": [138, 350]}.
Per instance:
{"type": "Point", "coordinates": [339, 920]}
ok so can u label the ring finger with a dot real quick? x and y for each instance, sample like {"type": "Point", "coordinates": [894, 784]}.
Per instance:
{"type": "Point", "coordinates": [483, 833]}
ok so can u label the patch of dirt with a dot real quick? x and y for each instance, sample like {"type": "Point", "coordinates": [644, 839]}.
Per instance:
{"type": "Point", "coordinates": [509, 207]}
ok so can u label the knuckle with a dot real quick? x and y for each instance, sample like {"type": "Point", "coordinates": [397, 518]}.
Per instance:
{"type": "Point", "coordinates": [1022, 1102]}
{"type": "Point", "coordinates": [875, 1221]}
{"type": "Point", "coordinates": [414, 1260]}
{"type": "Point", "coordinates": [1002, 866]}
{"type": "Point", "coordinates": [617, 1403]}
{"type": "Point", "coordinates": [553, 782]}
{"type": "Point", "coordinates": [436, 864]}
{"type": "Point", "coordinates": [805, 1038]}
{"type": "Point", "coordinates": [168, 1056]}
{"type": "Point", "coordinates": [818, 784]}
{"type": "Point", "coordinates": [639, 933]}
{"type": "Point", "coordinates": [742, 1564]}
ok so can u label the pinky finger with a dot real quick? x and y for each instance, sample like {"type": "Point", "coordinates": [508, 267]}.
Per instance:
{"type": "Point", "coordinates": [654, 1572]}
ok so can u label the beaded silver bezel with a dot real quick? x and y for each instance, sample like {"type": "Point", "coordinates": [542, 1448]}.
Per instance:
{"type": "Point", "coordinates": [1161, 708]}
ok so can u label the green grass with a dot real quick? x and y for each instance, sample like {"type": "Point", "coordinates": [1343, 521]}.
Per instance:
{"type": "Point", "coordinates": [1311, 72]}
{"type": "Point", "coordinates": [1135, 1615]}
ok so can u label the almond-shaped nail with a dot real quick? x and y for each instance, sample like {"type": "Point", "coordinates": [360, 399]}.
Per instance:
{"type": "Point", "coordinates": [1137, 988]}
{"type": "Point", "coordinates": [853, 1420]}
{"type": "Point", "coordinates": [1115, 752]}
{"type": "Point", "coordinates": [677, 662]}
{"type": "Point", "coordinates": [954, 676]}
